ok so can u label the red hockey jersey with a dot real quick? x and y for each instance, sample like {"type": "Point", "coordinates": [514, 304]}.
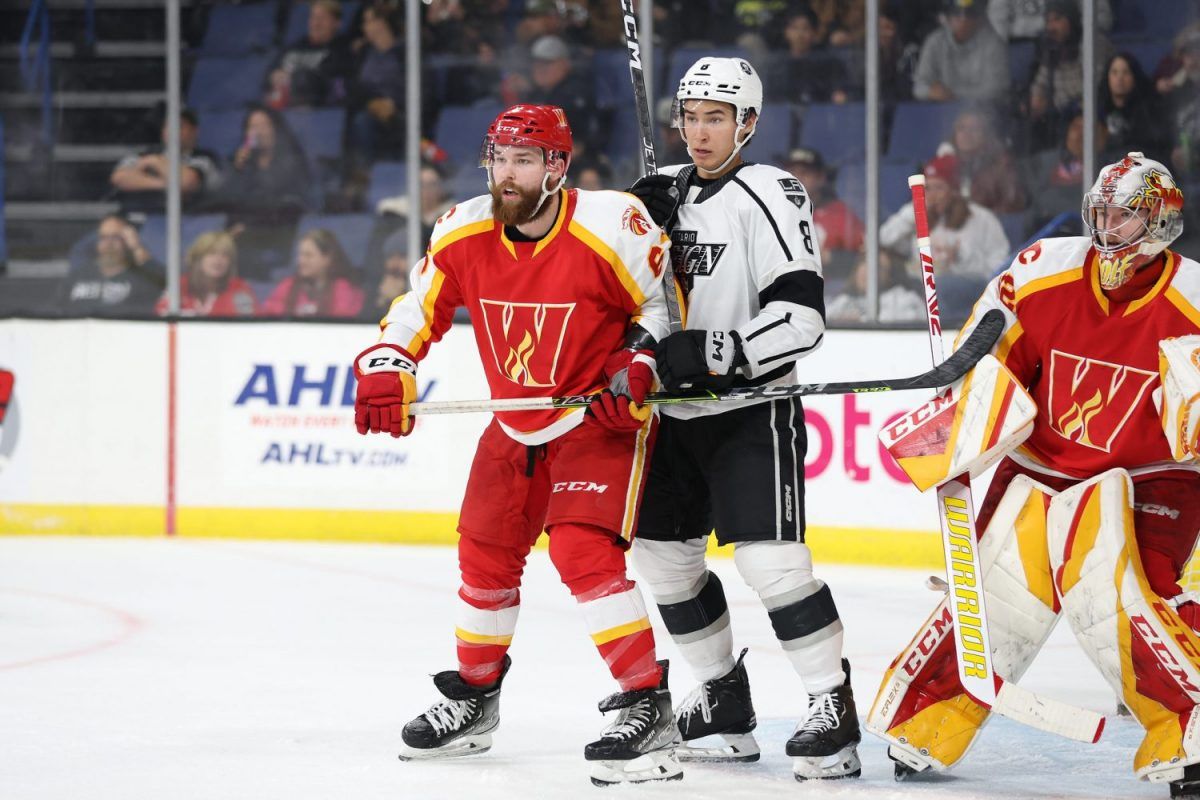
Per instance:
{"type": "Point", "coordinates": [1091, 364]}
{"type": "Point", "coordinates": [546, 314]}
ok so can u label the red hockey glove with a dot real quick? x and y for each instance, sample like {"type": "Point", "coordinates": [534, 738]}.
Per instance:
{"type": "Point", "coordinates": [630, 375]}
{"type": "Point", "coordinates": [387, 383]}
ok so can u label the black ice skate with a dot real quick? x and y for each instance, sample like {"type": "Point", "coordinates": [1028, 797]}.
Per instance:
{"type": "Point", "coordinates": [719, 707]}
{"type": "Point", "coordinates": [639, 745]}
{"type": "Point", "coordinates": [825, 744]}
{"type": "Point", "coordinates": [461, 724]}
{"type": "Point", "coordinates": [1187, 787]}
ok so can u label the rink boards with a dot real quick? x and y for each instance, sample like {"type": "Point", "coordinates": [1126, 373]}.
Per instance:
{"type": "Point", "coordinates": [261, 441]}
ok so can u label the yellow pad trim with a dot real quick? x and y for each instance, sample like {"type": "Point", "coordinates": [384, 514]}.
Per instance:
{"type": "Point", "coordinates": [604, 637]}
{"type": "Point", "coordinates": [1034, 548]}
{"type": "Point", "coordinates": [479, 638]}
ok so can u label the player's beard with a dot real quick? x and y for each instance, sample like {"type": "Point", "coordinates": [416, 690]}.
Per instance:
{"type": "Point", "coordinates": [515, 212]}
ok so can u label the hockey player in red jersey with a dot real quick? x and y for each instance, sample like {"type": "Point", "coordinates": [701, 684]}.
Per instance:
{"type": "Point", "coordinates": [564, 289]}
{"type": "Point", "coordinates": [1095, 514]}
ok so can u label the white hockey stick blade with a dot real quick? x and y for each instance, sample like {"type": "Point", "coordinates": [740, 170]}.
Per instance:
{"type": "Point", "coordinates": [1048, 715]}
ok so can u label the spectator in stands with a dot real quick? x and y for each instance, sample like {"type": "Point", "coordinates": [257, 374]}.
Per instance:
{"type": "Point", "coordinates": [839, 231]}
{"type": "Point", "coordinates": [120, 279]}
{"type": "Point", "coordinates": [1057, 174]}
{"type": "Point", "coordinates": [842, 23]}
{"type": "Point", "coordinates": [986, 167]}
{"type": "Point", "coordinates": [1131, 110]}
{"type": "Point", "coordinates": [968, 241]}
{"type": "Point", "coordinates": [552, 80]}
{"type": "Point", "coordinates": [897, 56]}
{"type": "Point", "coordinates": [321, 285]}
{"type": "Point", "coordinates": [757, 24]}
{"type": "Point", "coordinates": [314, 70]}
{"type": "Point", "coordinates": [583, 23]}
{"type": "Point", "coordinates": [900, 297]}
{"type": "Point", "coordinates": [1183, 102]}
{"type": "Point", "coordinates": [435, 200]}
{"type": "Point", "coordinates": [678, 23]}
{"type": "Point", "coordinates": [1170, 73]}
{"type": "Point", "coordinates": [1057, 88]}
{"type": "Point", "coordinates": [393, 277]}
{"type": "Point", "coordinates": [592, 175]}
{"type": "Point", "coordinates": [964, 59]}
{"type": "Point", "coordinates": [804, 73]}
{"type": "Point", "coordinates": [210, 286]}
{"type": "Point", "coordinates": [1026, 19]}
{"type": "Point", "coordinates": [140, 179]}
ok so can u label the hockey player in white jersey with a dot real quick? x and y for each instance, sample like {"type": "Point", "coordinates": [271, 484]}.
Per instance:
{"type": "Point", "coordinates": [744, 248]}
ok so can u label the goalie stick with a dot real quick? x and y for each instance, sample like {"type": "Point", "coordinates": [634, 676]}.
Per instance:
{"type": "Point", "coordinates": [637, 77]}
{"type": "Point", "coordinates": [956, 366]}
{"type": "Point", "coordinates": [956, 507]}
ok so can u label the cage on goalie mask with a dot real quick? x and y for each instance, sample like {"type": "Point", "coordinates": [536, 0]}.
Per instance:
{"type": "Point", "coordinates": [1133, 188]}
{"type": "Point", "coordinates": [723, 80]}
{"type": "Point", "coordinates": [543, 127]}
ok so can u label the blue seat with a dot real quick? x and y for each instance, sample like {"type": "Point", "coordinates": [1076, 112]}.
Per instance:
{"type": "Point", "coordinates": [319, 131]}
{"type": "Point", "coordinates": [221, 131]}
{"type": "Point", "coordinates": [1015, 226]}
{"type": "Point", "coordinates": [296, 26]}
{"type": "Point", "coordinates": [918, 129]}
{"type": "Point", "coordinates": [221, 82]}
{"type": "Point", "coordinates": [851, 186]}
{"type": "Point", "coordinates": [388, 179]}
{"type": "Point", "coordinates": [1148, 52]}
{"type": "Point", "coordinates": [153, 232]}
{"type": "Point", "coordinates": [1020, 62]}
{"type": "Point", "coordinates": [774, 135]}
{"type": "Point", "coordinates": [460, 131]}
{"type": "Point", "coordinates": [1160, 19]}
{"type": "Point", "coordinates": [468, 182]}
{"type": "Point", "coordinates": [240, 29]}
{"type": "Point", "coordinates": [837, 132]}
{"type": "Point", "coordinates": [352, 230]}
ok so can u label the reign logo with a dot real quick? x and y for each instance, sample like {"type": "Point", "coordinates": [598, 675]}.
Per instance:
{"type": "Point", "coordinates": [691, 259]}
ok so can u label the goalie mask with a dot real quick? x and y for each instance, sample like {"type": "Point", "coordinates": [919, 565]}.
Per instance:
{"type": "Point", "coordinates": [1133, 211]}
{"type": "Point", "coordinates": [543, 127]}
{"type": "Point", "coordinates": [725, 80]}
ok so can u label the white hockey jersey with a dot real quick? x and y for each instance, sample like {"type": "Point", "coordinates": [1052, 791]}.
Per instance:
{"type": "Point", "coordinates": [745, 249]}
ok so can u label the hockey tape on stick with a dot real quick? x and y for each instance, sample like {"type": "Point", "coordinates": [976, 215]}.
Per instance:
{"type": "Point", "coordinates": [1048, 715]}
{"type": "Point", "coordinates": [979, 343]}
{"type": "Point", "coordinates": [916, 184]}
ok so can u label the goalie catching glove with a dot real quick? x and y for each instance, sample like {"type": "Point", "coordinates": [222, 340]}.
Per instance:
{"type": "Point", "coordinates": [387, 383]}
{"type": "Point", "coordinates": [630, 376]}
{"type": "Point", "coordinates": [699, 360]}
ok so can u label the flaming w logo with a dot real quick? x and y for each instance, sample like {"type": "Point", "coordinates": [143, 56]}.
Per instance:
{"type": "Point", "coordinates": [1090, 400]}
{"type": "Point", "coordinates": [526, 339]}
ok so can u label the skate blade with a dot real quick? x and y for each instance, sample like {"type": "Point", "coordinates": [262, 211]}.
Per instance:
{"type": "Point", "coordinates": [466, 746]}
{"type": "Point", "coordinates": [737, 748]}
{"type": "Point", "coordinates": [907, 763]}
{"type": "Point", "coordinates": [843, 764]}
{"type": "Point", "coordinates": [660, 765]}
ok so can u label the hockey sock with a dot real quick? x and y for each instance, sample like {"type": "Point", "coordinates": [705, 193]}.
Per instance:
{"type": "Point", "coordinates": [489, 601]}
{"type": "Point", "coordinates": [592, 565]}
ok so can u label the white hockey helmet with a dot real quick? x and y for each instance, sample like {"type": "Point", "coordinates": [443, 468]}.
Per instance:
{"type": "Point", "coordinates": [1122, 192]}
{"type": "Point", "coordinates": [725, 80]}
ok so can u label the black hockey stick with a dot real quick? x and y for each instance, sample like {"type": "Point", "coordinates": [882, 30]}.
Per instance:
{"type": "Point", "coordinates": [976, 346]}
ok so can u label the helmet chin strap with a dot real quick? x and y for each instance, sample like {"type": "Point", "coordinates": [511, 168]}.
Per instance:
{"type": "Point", "coordinates": [547, 192]}
{"type": "Point", "coordinates": [737, 146]}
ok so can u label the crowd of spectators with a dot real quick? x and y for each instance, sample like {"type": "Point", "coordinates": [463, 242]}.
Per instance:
{"type": "Point", "coordinates": [1009, 160]}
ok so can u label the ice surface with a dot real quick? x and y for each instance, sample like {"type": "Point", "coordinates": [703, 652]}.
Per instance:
{"type": "Point", "coordinates": [206, 669]}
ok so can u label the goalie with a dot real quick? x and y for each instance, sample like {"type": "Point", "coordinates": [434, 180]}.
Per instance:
{"type": "Point", "coordinates": [1093, 512]}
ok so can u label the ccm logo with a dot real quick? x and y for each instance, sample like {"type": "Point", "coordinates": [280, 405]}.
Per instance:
{"type": "Point", "coordinates": [911, 422]}
{"type": "Point", "coordinates": [394, 361]}
{"type": "Point", "coordinates": [580, 486]}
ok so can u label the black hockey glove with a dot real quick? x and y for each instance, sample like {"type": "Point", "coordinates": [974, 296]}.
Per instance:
{"type": "Point", "coordinates": [660, 194]}
{"type": "Point", "coordinates": [699, 360]}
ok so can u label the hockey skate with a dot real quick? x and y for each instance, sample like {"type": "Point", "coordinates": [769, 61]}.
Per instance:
{"type": "Point", "coordinates": [907, 763]}
{"type": "Point", "coordinates": [825, 744]}
{"type": "Point", "coordinates": [460, 724]}
{"type": "Point", "coordinates": [639, 745]}
{"type": "Point", "coordinates": [720, 708]}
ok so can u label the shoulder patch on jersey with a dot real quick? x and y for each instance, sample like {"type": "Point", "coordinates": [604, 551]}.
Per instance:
{"type": "Point", "coordinates": [634, 220]}
{"type": "Point", "coordinates": [793, 190]}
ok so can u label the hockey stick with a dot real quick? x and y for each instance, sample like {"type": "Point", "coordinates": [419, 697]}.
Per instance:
{"type": "Point", "coordinates": [980, 342]}
{"type": "Point", "coordinates": [956, 511]}
{"type": "Point", "coordinates": [637, 77]}
{"type": "Point", "coordinates": [956, 515]}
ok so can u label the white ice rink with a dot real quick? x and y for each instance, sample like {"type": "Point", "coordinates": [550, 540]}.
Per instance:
{"type": "Point", "coordinates": [133, 669]}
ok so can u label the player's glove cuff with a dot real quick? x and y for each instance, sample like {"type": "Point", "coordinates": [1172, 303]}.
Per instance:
{"type": "Point", "coordinates": [660, 194]}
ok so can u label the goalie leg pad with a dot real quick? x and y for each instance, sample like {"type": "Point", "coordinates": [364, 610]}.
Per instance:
{"type": "Point", "coordinates": [1148, 655]}
{"type": "Point", "coordinates": [966, 428]}
{"type": "Point", "coordinates": [801, 609]}
{"type": "Point", "coordinates": [1179, 368]}
{"type": "Point", "coordinates": [921, 708]}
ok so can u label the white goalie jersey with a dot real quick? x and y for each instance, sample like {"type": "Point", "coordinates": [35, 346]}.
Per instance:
{"type": "Point", "coordinates": [745, 249]}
